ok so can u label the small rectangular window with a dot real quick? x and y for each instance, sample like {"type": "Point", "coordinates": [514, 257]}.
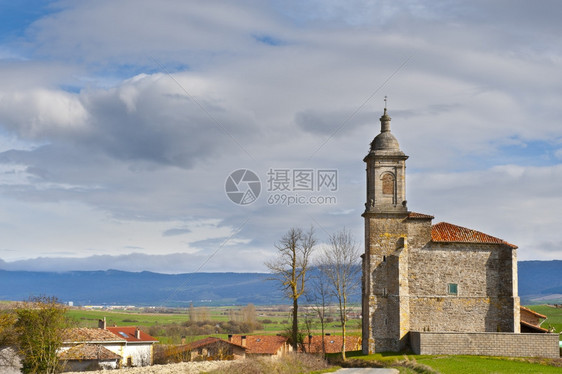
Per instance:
{"type": "Point", "coordinates": [453, 289]}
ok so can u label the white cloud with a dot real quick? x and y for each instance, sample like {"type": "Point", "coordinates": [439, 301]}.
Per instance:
{"type": "Point", "coordinates": [40, 113]}
{"type": "Point", "coordinates": [103, 149]}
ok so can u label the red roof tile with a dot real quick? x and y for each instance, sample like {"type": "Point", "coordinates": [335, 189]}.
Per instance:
{"type": "Point", "coordinates": [533, 327]}
{"type": "Point", "coordinates": [261, 344]}
{"type": "Point", "coordinates": [88, 352]}
{"type": "Point", "coordinates": [414, 215]}
{"type": "Point", "coordinates": [447, 232]}
{"type": "Point", "coordinates": [532, 312]}
{"type": "Point", "coordinates": [128, 333]}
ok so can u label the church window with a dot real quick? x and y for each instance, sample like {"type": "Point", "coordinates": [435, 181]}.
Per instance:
{"type": "Point", "coordinates": [388, 184]}
{"type": "Point", "coordinates": [453, 288]}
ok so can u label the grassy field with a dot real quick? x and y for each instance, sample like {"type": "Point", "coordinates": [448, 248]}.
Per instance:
{"type": "Point", "coordinates": [465, 364]}
{"type": "Point", "coordinates": [554, 316]}
{"type": "Point", "coordinates": [89, 318]}
{"type": "Point", "coordinates": [273, 320]}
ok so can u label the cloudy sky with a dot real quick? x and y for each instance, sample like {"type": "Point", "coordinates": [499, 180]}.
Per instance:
{"type": "Point", "coordinates": [121, 120]}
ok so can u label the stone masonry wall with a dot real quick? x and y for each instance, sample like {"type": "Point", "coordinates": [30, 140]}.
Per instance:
{"type": "Point", "coordinates": [485, 344]}
{"type": "Point", "coordinates": [483, 275]}
{"type": "Point", "coordinates": [386, 330]}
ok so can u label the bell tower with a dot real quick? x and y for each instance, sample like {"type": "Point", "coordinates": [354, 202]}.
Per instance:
{"type": "Point", "coordinates": [386, 173]}
{"type": "Point", "coordinates": [385, 262]}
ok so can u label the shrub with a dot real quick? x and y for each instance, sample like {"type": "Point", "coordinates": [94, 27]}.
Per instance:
{"type": "Point", "coordinates": [288, 364]}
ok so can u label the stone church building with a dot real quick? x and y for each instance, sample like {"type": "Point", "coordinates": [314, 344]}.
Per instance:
{"type": "Point", "coordinates": [426, 285]}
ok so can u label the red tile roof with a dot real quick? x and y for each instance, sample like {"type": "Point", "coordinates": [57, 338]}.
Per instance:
{"type": "Point", "coordinates": [414, 215]}
{"type": "Point", "coordinates": [332, 343]}
{"type": "Point", "coordinates": [533, 327]}
{"type": "Point", "coordinates": [128, 333]}
{"type": "Point", "coordinates": [261, 344]}
{"type": "Point", "coordinates": [89, 335]}
{"type": "Point", "coordinates": [447, 232]}
{"type": "Point", "coordinates": [88, 352]}
{"type": "Point", "coordinates": [523, 309]}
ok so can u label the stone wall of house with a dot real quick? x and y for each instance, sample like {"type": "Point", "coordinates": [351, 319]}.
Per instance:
{"type": "Point", "coordinates": [485, 344]}
{"type": "Point", "coordinates": [482, 274]}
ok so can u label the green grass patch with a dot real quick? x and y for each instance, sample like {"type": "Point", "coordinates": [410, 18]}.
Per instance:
{"type": "Point", "coordinates": [90, 318]}
{"type": "Point", "coordinates": [477, 364]}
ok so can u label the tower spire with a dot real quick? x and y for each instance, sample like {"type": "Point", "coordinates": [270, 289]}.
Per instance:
{"type": "Point", "coordinates": [385, 119]}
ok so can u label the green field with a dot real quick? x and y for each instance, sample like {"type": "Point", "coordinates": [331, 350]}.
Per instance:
{"type": "Point", "coordinates": [277, 321]}
{"type": "Point", "coordinates": [89, 318]}
{"type": "Point", "coordinates": [464, 364]}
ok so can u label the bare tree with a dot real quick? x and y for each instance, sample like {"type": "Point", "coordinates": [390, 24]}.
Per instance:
{"type": "Point", "coordinates": [249, 314]}
{"type": "Point", "coordinates": [290, 269]}
{"type": "Point", "coordinates": [308, 324]}
{"type": "Point", "coordinates": [319, 297]}
{"type": "Point", "coordinates": [340, 264]}
{"type": "Point", "coordinates": [191, 312]}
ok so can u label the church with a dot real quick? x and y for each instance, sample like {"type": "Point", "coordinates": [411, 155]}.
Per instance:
{"type": "Point", "coordinates": [430, 287]}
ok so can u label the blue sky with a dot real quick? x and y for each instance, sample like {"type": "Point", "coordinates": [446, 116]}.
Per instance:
{"type": "Point", "coordinates": [120, 122]}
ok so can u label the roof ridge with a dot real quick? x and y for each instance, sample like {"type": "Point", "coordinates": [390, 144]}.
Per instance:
{"type": "Point", "coordinates": [448, 232]}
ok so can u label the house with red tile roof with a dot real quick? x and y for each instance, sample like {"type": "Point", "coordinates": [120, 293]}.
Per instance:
{"type": "Point", "coordinates": [424, 283]}
{"type": "Point", "coordinates": [262, 345]}
{"type": "Point", "coordinates": [210, 348]}
{"type": "Point", "coordinates": [139, 346]}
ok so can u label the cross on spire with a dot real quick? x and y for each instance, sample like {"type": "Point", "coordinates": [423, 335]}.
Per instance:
{"type": "Point", "coordinates": [385, 99]}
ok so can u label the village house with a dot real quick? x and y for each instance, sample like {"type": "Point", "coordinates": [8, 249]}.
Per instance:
{"type": "Point", "coordinates": [210, 348]}
{"type": "Point", "coordinates": [85, 357]}
{"type": "Point", "coordinates": [85, 348]}
{"type": "Point", "coordinates": [108, 347]}
{"type": "Point", "coordinates": [139, 346]}
{"type": "Point", "coordinates": [262, 345]}
{"type": "Point", "coordinates": [436, 288]}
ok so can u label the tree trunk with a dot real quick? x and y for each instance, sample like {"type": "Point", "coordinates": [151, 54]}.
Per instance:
{"type": "Point", "coordinates": [323, 343]}
{"type": "Point", "coordinates": [295, 324]}
{"type": "Point", "coordinates": [343, 341]}
{"type": "Point", "coordinates": [343, 317]}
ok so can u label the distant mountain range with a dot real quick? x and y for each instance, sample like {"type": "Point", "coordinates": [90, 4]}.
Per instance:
{"type": "Point", "coordinates": [539, 282]}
